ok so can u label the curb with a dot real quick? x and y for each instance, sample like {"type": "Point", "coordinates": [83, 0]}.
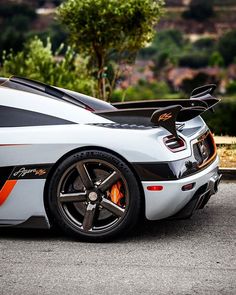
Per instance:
{"type": "Point", "coordinates": [228, 173]}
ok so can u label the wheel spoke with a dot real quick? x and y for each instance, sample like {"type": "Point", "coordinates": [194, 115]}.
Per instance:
{"type": "Point", "coordinates": [112, 207]}
{"type": "Point", "coordinates": [89, 217]}
{"type": "Point", "coordinates": [85, 177]}
{"type": "Point", "coordinates": [73, 197]}
{"type": "Point", "coordinates": [109, 181]}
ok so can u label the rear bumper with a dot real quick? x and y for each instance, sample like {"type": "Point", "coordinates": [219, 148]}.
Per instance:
{"type": "Point", "coordinates": [173, 201]}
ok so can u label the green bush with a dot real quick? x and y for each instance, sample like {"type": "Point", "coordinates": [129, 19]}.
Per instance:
{"type": "Point", "coordinates": [216, 59]}
{"type": "Point", "coordinates": [227, 47]}
{"type": "Point", "coordinates": [57, 36]}
{"type": "Point", "coordinates": [37, 61]}
{"type": "Point", "coordinates": [166, 48]}
{"type": "Point", "coordinates": [231, 88]}
{"type": "Point", "coordinates": [15, 22]}
{"type": "Point", "coordinates": [142, 91]}
{"type": "Point", "coordinates": [198, 80]}
{"type": "Point", "coordinates": [199, 10]}
{"type": "Point", "coordinates": [222, 122]}
{"type": "Point", "coordinates": [194, 60]}
{"type": "Point", "coordinates": [205, 43]}
{"type": "Point", "coordinates": [224, 3]}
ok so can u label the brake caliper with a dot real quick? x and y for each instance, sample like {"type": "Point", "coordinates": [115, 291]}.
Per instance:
{"type": "Point", "coordinates": [116, 195]}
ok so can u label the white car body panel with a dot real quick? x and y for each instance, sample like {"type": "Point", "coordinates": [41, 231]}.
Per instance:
{"type": "Point", "coordinates": [46, 105]}
{"type": "Point", "coordinates": [33, 145]}
{"type": "Point", "coordinates": [25, 201]}
{"type": "Point", "coordinates": [171, 199]}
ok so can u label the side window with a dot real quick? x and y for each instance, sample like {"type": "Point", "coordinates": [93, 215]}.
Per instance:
{"type": "Point", "coordinates": [14, 117]}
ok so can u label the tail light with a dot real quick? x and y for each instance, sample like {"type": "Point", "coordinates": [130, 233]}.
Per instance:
{"type": "Point", "coordinates": [155, 188]}
{"type": "Point", "coordinates": [174, 144]}
{"type": "Point", "coordinates": [188, 187]}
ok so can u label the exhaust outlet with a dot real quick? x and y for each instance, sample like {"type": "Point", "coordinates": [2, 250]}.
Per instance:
{"type": "Point", "coordinates": [217, 183]}
{"type": "Point", "coordinates": [214, 183]}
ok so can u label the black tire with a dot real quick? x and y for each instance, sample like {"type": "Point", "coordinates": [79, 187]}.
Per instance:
{"type": "Point", "coordinates": [94, 196]}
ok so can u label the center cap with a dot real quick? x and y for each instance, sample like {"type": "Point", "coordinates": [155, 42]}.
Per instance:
{"type": "Point", "coordinates": [93, 196]}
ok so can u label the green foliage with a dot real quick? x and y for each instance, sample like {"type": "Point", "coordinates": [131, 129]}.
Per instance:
{"type": "Point", "coordinates": [224, 3]}
{"type": "Point", "coordinates": [142, 91]}
{"type": "Point", "coordinates": [43, 2]}
{"type": "Point", "coordinates": [216, 59]}
{"type": "Point", "coordinates": [11, 39]}
{"type": "Point", "coordinates": [200, 79]}
{"type": "Point", "coordinates": [170, 48]}
{"type": "Point", "coordinates": [56, 33]}
{"type": "Point", "coordinates": [39, 3]}
{"type": "Point", "coordinates": [166, 47]}
{"type": "Point", "coordinates": [194, 60]}
{"type": "Point", "coordinates": [199, 10]}
{"type": "Point", "coordinates": [205, 44]}
{"type": "Point", "coordinates": [98, 27]}
{"type": "Point", "coordinates": [171, 36]}
{"type": "Point", "coordinates": [102, 25]}
{"type": "Point", "coordinates": [231, 88]}
{"type": "Point", "coordinates": [10, 10]}
{"type": "Point", "coordinates": [222, 122]}
{"type": "Point", "coordinates": [37, 62]}
{"type": "Point", "coordinates": [16, 20]}
{"type": "Point", "coordinates": [227, 46]}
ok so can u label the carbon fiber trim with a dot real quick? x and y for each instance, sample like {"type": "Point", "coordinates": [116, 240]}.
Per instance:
{"type": "Point", "coordinates": [5, 173]}
{"type": "Point", "coordinates": [37, 171]}
{"type": "Point", "coordinates": [164, 171]}
{"type": "Point", "coordinates": [122, 126]}
{"type": "Point", "coordinates": [31, 171]}
{"type": "Point", "coordinates": [14, 117]}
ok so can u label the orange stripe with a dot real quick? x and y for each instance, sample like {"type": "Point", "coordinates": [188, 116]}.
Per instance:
{"type": "Point", "coordinates": [6, 190]}
{"type": "Point", "coordinates": [12, 144]}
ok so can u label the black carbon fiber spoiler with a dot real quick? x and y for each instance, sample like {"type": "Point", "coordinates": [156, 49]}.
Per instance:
{"type": "Point", "coordinates": [164, 113]}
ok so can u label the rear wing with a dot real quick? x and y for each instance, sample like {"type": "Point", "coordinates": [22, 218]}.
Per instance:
{"type": "Point", "coordinates": [164, 113]}
{"type": "Point", "coordinates": [200, 97]}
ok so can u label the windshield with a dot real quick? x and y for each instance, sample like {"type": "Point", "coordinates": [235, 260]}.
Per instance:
{"type": "Point", "coordinates": [94, 103]}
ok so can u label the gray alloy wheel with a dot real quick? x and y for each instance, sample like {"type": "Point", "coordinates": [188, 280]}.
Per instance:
{"type": "Point", "coordinates": [94, 195]}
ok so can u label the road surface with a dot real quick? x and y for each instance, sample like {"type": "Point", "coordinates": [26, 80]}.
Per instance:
{"type": "Point", "coordinates": [196, 256]}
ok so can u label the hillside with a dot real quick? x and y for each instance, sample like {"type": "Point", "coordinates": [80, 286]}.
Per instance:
{"type": "Point", "coordinates": [222, 20]}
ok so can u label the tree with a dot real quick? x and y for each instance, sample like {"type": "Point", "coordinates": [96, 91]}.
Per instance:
{"type": "Point", "coordinates": [36, 61]}
{"type": "Point", "coordinates": [57, 35]}
{"type": "Point", "coordinates": [15, 21]}
{"type": "Point", "coordinates": [205, 44]}
{"type": "Point", "coordinates": [169, 45]}
{"type": "Point", "coordinates": [227, 47]}
{"type": "Point", "coordinates": [216, 59]}
{"type": "Point", "coordinates": [165, 51]}
{"type": "Point", "coordinates": [194, 60]}
{"type": "Point", "coordinates": [199, 79]}
{"type": "Point", "coordinates": [143, 90]}
{"type": "Point", "coordinates": [100, 28]}
{"type": "Point", "coordinates": [200, 10]}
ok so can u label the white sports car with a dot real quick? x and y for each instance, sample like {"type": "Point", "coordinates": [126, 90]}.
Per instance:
{"type": "Point", "coordinates": [93, 168]}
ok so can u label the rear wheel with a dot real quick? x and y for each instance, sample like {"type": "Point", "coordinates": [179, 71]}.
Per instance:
{"type": "Point", "coordinates": [94, 195]}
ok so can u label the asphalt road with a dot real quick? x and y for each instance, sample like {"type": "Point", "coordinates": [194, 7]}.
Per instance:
{"type": "Point", "coordinates": [196, 256]}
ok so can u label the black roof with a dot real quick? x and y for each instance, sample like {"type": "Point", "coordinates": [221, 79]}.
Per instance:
{"type": "Point", "coordinates": [68, 96]}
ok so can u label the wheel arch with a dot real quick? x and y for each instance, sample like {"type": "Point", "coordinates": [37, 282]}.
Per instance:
{"type": "Point", "coordinates": [85, 148]}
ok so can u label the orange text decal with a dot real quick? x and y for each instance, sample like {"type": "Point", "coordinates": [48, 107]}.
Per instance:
{"type": "Point", "coordinates": [165, 116]}
{"type": "Point", "coordinates": [6, 190]}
